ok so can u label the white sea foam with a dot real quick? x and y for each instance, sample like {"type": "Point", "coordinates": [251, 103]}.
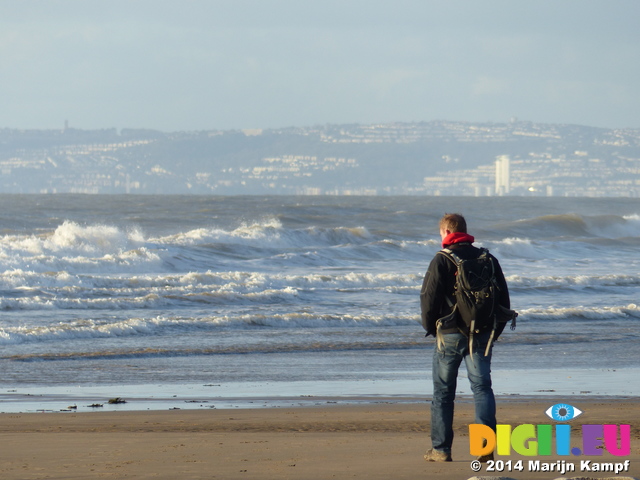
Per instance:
{"type": "Point", "coordinates": [149, 327]}
{"type": "Point", "coordinates": [572, 281]}
{"type": "Point", "coordinates": [67, 291]}
{"type": "Point", "coordinates": [228, 280]}
{"type": "Point", "coordinates": [74, 247]}
{"type": "Point", "coordinates": [268, 233]}
{"type": "Point", "coordinates": [103, 290]}
{"type": "Point", "coordinates": [514, 247]}
{"type": "Point", "coordinates": [12, 335]}
{"type": "Point", "coordinates": [161, 325]}
{"type": "Point", "coordinates": [71, 238]}
{"type": "Point", "coordinates": [587, 313]}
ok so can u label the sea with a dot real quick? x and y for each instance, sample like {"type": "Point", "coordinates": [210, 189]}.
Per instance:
{"type": "Point", "coordinates": [160, 302]}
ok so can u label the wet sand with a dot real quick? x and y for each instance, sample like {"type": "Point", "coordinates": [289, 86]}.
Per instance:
{"type": "Point", "coordinates": [367, 441]}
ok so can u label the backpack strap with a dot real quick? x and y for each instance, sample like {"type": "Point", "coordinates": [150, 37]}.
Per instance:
{"type": "Point", "coordinates": [455, 259]}
{"type": "Point", "coordinates": [451, 255]}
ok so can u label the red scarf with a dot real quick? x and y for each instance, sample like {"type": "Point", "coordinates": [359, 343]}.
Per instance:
{"type": "Point", "coordinates": [456, 237]}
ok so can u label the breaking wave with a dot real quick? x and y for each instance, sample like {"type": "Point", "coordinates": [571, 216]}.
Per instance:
{"type": "Point", "coordinates": [574, 225]}
{"type": "Point", "coordinates": [169, 325]}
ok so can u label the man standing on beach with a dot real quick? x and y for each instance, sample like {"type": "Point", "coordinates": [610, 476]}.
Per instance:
{"type": "Point", "coordinates": [455, 341]}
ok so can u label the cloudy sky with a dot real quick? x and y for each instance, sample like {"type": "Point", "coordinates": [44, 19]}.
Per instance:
{"type": "Point", "coordinates": [225, 64]}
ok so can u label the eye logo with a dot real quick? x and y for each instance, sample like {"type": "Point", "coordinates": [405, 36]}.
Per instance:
{"type": "Point", "coordinates": [562, 412]}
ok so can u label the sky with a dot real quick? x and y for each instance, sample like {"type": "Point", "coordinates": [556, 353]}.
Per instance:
{"type": "Point", "coordinates": [175, 65]}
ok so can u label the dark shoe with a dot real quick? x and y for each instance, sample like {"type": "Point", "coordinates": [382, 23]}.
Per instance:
{"type": "Point", "coordinates": [437, 456]}
{"type": "Point", "coordinates": [485, 458]}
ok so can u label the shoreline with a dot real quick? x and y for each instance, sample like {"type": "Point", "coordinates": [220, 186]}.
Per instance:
{"type": "Point", "coordinates": [529, 384]}
{"type": "Point", "coordinates": [15, 402]}
{"type": "Point", "coordinates": [369, 440]}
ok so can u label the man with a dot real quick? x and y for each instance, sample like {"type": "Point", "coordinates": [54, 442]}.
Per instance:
{"type": "Point", "coordinates": [455, 341]}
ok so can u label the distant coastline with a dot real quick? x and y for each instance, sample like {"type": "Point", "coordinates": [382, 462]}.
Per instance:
{"type": "Point", "coordinates": [437, 158]}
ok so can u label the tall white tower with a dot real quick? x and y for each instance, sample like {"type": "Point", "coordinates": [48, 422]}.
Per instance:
{"type": "Point", "coordinates": [502, 175]}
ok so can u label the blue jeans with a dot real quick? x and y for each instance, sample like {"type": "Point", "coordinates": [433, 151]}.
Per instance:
{"type": "Point", "coordinates": [446, 362]}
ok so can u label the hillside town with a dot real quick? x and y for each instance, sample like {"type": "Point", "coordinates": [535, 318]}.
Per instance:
{"type": "Point", "coordinates": [415, 158]}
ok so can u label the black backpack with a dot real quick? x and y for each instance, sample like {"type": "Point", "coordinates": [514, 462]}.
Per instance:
{"type": "Point", "coordinates": [475, 290]}
{"type": "Point", "coordinates": [476, 296]}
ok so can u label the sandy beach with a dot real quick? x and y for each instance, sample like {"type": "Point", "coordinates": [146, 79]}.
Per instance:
{"type": "Point", "coordinates": [369, 441]}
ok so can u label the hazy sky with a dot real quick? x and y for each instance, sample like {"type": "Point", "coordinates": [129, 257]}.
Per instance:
{"type": "Point", "coordinates": [224, 64]}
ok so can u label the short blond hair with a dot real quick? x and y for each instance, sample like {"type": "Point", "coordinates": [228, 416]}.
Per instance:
{"type": "Point", "coordinates": [454, 222]}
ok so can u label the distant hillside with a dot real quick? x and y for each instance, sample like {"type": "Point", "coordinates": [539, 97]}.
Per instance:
{"type": "Point", "coordinates": [422, 158]}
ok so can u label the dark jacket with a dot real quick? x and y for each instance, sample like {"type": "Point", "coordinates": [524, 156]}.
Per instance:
{"type": "Point", "coordinates": [439, 283]}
